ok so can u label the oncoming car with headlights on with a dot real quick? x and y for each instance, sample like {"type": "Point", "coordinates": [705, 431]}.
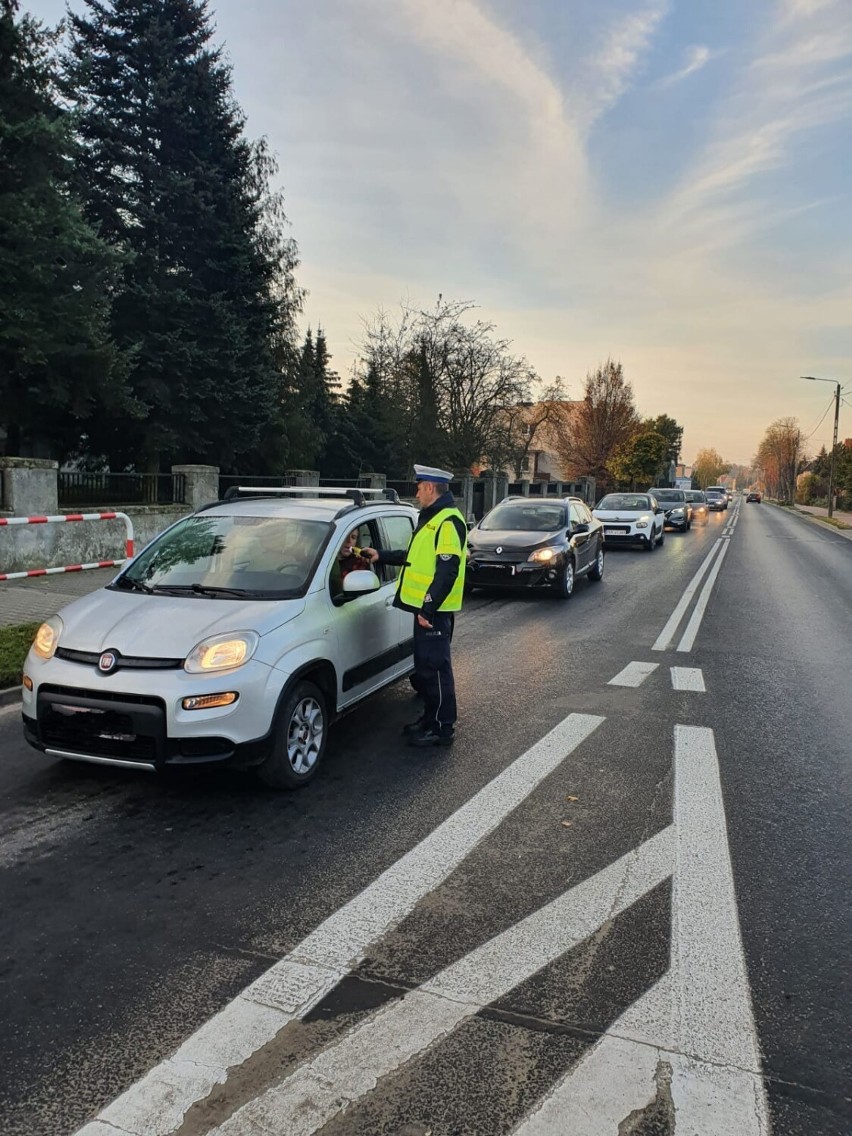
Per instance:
{"type": "Point", "coordinates": [234, 638]}
{"type": "Point", "coordinates": [675, 508]}
{"type": "Point", "coordinates": [524, 543]}
{"type": "Point", "coordinates": [631, 518]}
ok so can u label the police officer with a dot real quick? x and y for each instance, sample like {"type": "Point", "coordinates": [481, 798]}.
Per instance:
{"type": "Point", "coordinates": [431, 586]}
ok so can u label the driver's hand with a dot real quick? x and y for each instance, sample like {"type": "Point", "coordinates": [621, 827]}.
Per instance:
{"type": "Point", "coordinates": [370, 554]}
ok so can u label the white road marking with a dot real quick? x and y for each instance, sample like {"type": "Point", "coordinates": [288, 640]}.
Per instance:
{"type": "Point", "coordinates": [668, 633]}
{"type": "Point", "coordinates": [634, 674]}
{"type": "Point", "coordinates": [688, 678]}
{"type": "Point", "coordinates": [697, 1021]}
{"type": "Point", "coordinates": [156, 1105]}
{"type": "Point", "coordinates": [692, 627]}
{"type": "Point", "coordinates": [346, 1071]}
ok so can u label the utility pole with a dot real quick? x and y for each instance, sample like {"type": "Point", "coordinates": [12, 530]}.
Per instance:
{"type": "Point", "coordinates": [815, 379]}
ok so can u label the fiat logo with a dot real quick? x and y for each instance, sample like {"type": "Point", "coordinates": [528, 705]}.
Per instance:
{"type": "Point", "coordinates": [107, 662]}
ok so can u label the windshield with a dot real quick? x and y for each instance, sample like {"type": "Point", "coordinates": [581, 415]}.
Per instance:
{"type": "Point", "coordinates": [670, 496]}
{"type": "Point", "coordinates": [229, 557]}
{"type": "Point", "coordinates": [520, 517]}
{"type": "Point", "coordinates": [714, 492]}
{"type": "Point", "coordinates": [694, 495]}
{"type": "Point", "coordinates": [624, 501]}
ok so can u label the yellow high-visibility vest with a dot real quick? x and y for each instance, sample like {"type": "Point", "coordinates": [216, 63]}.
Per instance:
{"type": "Point", "coordinates": [438, 537]}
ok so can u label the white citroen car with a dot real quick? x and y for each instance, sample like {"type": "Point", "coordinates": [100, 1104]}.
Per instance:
{"type": "Point", "coordinates": [631, 518]}
{"type": "Point", "coordinates": [233, 638]}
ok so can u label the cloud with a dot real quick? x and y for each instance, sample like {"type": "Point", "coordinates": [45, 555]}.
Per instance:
{"type": "Point", "coordinates": [801, 81]}
{"type": "Point", "coordinates": [608, 73]}
{"type": "Point", "coordinates": [696, 57]}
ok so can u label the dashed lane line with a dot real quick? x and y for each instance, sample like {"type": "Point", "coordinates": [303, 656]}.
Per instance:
{"type": "Point", "coordinates": [156, 1105]}
{"type": "Point", "coordinates": [688, 678]}
{"type": "Point", "coordinates": [634, 674]}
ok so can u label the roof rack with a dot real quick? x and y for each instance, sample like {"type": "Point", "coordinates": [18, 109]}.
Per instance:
{"type": "Point", "coordinates": [358, 496]}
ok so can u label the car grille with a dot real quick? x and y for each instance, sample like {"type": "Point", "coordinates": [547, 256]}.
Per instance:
{"type": "Point", "coordinates": [102, 735]}
{"type": "Point", "coordinates": [93, 723]}
{"type": "Point", "coordinates": [123, 662]}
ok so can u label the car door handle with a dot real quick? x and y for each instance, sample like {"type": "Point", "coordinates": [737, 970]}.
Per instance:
{"type": "Point", "coordinates": [389, 602]}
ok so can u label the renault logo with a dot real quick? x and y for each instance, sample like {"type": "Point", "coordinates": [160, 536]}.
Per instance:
{"type": "Point", "coordinates": [499, 548]}
{"type": "Point", "coordinates": [107, 662]}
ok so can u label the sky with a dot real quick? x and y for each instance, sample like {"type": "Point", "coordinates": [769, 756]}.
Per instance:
{"type": "Point", "coordinates": [663, 182]}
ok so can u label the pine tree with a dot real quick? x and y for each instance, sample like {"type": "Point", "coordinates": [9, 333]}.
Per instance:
{"type": "Point", "coordinates": [58, 365]}
{"type": "Point", "coordinates": [208, 297]}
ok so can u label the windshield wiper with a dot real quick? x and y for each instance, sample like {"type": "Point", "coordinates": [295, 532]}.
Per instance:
{"type": "Point", "coordinates": [213, 590]}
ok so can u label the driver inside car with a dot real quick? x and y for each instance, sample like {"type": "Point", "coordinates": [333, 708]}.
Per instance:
{"type": "Point", "coordinates": [349, 559]}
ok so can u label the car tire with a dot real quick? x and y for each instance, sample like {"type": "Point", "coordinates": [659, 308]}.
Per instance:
{"type": "Point", "coordinates": [299, 741]}
{"type": "Point", "coordinates": [564, 586]}
{"type": "Point", "coordinates": [651, 541]}
{"type": "Point", "coordinates": [597, 570]}
{"type": "Point", "coordinates": [661, 538]}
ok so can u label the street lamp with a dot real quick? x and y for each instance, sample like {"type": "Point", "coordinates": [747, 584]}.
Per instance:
{"type": "Point", "coordinates": [814, 379]}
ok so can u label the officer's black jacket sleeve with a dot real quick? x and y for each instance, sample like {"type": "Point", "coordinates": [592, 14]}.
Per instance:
{"type": "Point", "coordinates": [393, 556]}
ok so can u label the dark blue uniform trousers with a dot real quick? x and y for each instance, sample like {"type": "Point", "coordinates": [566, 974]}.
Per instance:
{"type": "Point", "coordinates": [433, 672]}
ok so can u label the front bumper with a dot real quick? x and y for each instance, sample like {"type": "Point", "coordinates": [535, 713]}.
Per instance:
{"type": "Point", "coordinates": [679, 523]}
{"type": "Point", "coordinates": [615, 533]}
{"type": "Point", "coordinates": [136, 719]}
{"type": "Point", "coordinates": [513, 574]}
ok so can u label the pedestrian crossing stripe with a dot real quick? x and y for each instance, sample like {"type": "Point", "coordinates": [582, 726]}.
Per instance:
{"type": "Point", "coordinates": [693, 1030]}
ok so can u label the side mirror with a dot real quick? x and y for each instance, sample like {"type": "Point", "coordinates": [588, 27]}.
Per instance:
{"type": "Point", "coordinates": [357, 583]}
{"type": "Point", "coordinates": [581, 528]}
{"type": "Point", "coordinates": [658, 510]}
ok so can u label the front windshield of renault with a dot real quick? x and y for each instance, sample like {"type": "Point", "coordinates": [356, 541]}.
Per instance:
{"type": "Point", "coordinates": [229, 557]}
{"type": "Point", "coordinates": [517, 516]}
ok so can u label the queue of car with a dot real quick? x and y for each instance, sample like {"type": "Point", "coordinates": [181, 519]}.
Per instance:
{"type": "Point", "coordinates": [233, 638]}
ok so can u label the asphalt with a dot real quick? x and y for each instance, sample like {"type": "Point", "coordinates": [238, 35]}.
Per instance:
{"type": "Point", "coordinates": [140, 906]}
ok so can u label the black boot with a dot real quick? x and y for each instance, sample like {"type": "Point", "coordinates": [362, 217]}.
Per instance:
{"type": "Point", "coordinates": [424, 738]}
{"type": "Point", "coordinates": [414, 727]}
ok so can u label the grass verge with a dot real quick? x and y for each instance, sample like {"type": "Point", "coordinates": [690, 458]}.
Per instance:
{"type": "Point", "coordinates": [833, 521]}
{"type": "Point", "coordinates": [14, 644]}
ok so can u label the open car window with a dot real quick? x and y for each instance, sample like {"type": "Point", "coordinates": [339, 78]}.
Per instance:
{"type": "Point", "coordinates": [395, 533]}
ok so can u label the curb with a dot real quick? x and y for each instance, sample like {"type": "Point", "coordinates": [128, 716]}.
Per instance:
{"type": "Point", "coordinates": [819, 520]}
{"type": "Point", "coordinates": [10, 695]}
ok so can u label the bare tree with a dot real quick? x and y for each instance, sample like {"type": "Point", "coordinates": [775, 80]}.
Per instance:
{"type": "Point", "coordinates": [452, 382]}
{"type": "Point", "coordinates": [588, 434]}
{"type": "Point", "coordinates": [779, 457]}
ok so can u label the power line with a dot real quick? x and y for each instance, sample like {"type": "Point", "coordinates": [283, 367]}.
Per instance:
{"type": "Point", "coordinates": [808, 436]}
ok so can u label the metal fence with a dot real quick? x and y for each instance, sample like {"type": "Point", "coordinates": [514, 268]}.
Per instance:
{"type": "Point", "coordinates": [78, 490]}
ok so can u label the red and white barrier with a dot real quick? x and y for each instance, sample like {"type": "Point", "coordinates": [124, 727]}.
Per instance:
{"type": "Point", "coordinates": [128, 543]}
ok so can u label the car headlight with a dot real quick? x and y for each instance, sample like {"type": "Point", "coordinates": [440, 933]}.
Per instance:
{"type": "Point", "coordinates": [544, 555]}
{"type": "Point", "coordinates": [222, 652]}
{"type": "Point", "coordinates": [47, 638]}
{"type": "Point", "coordinates": [643, 522]}
{"type": "Point", "coordinates": [676, 513]}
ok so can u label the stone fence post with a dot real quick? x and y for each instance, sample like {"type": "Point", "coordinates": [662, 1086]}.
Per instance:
{"type": "Point", "coordinates": [501, 487]}
{"type": "Point", "coordinates": [202, 484]}
{"type": "Point", "coordinates": [30, 486]}
{"type": "Point", "coordinates": [375, 480]}
{"type": "Point", "coordinates": [466, 498]}
{"type": "Point", "coordinates": [304, 476]}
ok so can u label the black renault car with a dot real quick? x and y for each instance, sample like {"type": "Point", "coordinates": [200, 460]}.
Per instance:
{"type": "Point", "coordinates": [547, 544]}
